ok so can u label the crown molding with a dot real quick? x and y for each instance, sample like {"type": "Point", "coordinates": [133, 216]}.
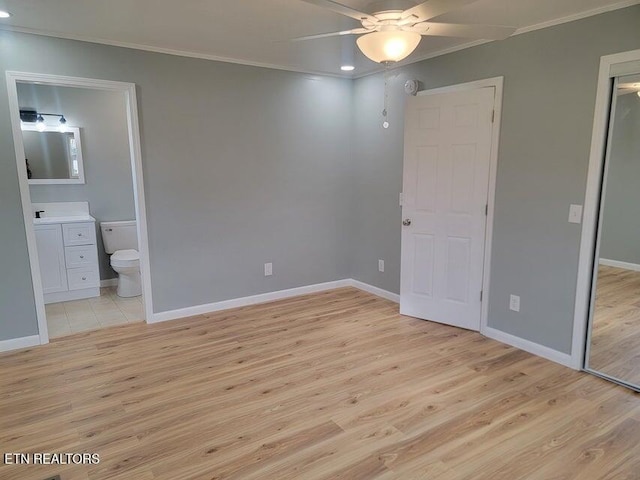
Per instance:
{"type": "Point", "coordinates": [578, 16]}
{"type": "Point", "coordinates": [239, 61]}
{"type": "Point", "coordinates": [169, 51]}
{"type": "Point", "coordinates": [520, 31]}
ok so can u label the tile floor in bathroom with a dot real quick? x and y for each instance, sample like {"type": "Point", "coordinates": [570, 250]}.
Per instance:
{"type": "Point", "coordinates": [108, 309]}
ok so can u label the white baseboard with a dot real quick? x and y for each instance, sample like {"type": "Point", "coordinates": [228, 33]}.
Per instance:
{"type": "Point", "coordinates": [394, 297]}
{"type": "Point", "coordinates": [616, 263]}
{"type": "Point", "coordinates": [244, 301]}
{"type": "Point", "coordinates": [17, 343]}
{"type": "Point", "coordinates": [109, 282]}
{"type": "Point", "coordinates": [522, 344]}
{"type": "Point", "coordinates": [270, 297]}
{"type": "Point", "coordinates": [531, 347]}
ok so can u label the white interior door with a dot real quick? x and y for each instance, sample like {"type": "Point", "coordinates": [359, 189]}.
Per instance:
{"type": "Point", "coordinates": [447, 153]}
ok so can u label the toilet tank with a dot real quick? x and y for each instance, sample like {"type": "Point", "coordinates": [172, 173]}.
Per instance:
{"type": "Point", "coordinates": [119, 236]}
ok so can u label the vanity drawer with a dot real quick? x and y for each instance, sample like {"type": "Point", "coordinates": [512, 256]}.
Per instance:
{"type": "Point", "coordinates": [81, 256]}
{"type": "Point", "coordinates": [85, 277]}
{"type": "Point", "coordinates": [79, 233]}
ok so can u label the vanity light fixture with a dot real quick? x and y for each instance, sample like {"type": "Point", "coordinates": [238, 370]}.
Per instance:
{"type": "Point", "coordinates": [40, 126]}
{"type": "Point", "coordinates": [4, 14]}
{"type": "Point", "coordinates": [32, 116]}
{"type": "Point", "coordinates": [347, 68]}
{"type": "Point", "coordinates": [63, 125]}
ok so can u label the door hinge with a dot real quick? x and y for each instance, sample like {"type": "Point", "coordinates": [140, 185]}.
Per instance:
{"type": "Point", "coordinates": [486, 209]}
{"type": "Point", "coordinates": [481, 294]}
{"type": "Point", "coordinates": [493, 116]}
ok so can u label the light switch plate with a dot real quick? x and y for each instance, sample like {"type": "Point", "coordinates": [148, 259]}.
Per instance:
{"type": "Point", "coordinates": [381, 265]}
{"type": "Point", "coordinates": [575, 214]}
{"type": "Point", "coordinates": [268, 269]}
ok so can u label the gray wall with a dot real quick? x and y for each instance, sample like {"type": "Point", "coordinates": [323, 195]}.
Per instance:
{"type": "Point", "coordinates": [246, 165]}
{"type": "Point", "coordinates": [242, 166]}
{"type": "Point", "coordinates": [549, 97]}
{"type": "Point", "coordinates": [620, 238]}
{"type": "Point", "coordinates": [102, 118]}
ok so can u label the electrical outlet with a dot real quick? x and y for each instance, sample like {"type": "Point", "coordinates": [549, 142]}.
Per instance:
{"type": "Point", "coordinates": [381, 265]}
{"type": "Point", "coordinates": [514, 303]}
{"type": "Point", "coordinates": [268, 269]}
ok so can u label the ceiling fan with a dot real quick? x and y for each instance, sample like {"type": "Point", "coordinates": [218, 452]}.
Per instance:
{"type": "Point", "coordinates": [395, 27]}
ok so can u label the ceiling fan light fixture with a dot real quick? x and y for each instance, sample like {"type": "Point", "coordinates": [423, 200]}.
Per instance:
{"type": "Point", "coordinates": [389, 45]}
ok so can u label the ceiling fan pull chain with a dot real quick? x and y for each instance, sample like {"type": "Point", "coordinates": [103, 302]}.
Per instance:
{"type": "Point", "coordinates": [385, 111]}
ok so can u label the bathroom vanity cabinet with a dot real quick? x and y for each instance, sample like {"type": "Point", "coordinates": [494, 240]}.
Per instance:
{"type": "Point", "coordinates": [68, 258]}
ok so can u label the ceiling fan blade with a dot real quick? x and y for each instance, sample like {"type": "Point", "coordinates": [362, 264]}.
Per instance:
{"type": "Point", "coordinates": [342, 9]}
{"type": "Point", "coordinates": [486, 32]}
{"type": "Point", "coordinates": [433, 8]}
{"type": "Point", "coordinates": [355, 31]}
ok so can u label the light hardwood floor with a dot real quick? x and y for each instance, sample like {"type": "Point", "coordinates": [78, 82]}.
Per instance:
{"type": "Point", "coordinates": [331, 385]}
{"type": "Point", "coordinates": [615, 345]}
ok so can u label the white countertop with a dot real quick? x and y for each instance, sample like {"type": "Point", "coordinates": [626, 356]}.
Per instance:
{"type": "Point", "coordinates": [63, 219]}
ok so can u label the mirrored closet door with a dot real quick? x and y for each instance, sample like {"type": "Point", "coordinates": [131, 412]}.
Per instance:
{"type": "Point", "coordinates": [613, 343]}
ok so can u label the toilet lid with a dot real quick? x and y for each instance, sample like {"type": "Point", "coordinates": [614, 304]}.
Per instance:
{"type": "Point", "coordinates": [125, 255]}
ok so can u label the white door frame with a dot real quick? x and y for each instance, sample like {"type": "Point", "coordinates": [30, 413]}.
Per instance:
{"type": "Point", "coordinates": [608, 64]}
{"type": "Point", "coordinates": [129, 91]}
{"type": "Point", "coordinates": [497, 83]}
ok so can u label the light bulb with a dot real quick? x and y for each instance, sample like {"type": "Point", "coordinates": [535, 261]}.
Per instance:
{"type": "Point", "coordinates": [390, 45]}
{"type": "Point", "coordinates": [63, 125]}
{"type": "Point", "coordinates": [40, 126]}
{"type": "Point", "coordinates": [395, 47]}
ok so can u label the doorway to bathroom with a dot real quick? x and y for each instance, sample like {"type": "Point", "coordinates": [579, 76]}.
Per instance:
{"type": "Point", "coordinates": [80, 175]}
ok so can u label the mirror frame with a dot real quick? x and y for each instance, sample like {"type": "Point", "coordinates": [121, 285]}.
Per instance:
{"type": "Point", "coordinates": [60, 181]}
{"type": "Point", "coordinates": [604, 177]}
{"type": "Point", "coordinates": [611, 66]}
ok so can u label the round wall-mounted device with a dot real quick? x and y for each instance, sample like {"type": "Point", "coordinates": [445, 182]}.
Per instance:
{"type": "Point", "coordinates": [411, 87]}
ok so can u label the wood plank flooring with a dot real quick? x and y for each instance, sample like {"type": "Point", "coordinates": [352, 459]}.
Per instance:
{"type": "Point", "coordinates": [335, 385]}
{"type": "Point", "coordinates": [615, 345]}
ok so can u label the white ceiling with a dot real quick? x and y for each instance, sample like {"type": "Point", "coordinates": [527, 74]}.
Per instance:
{"type": "Point", "coordinates": [256, 31]}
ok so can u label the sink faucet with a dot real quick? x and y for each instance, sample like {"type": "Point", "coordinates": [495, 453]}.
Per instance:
{"type": "Point", "coordinates": [38, 212]}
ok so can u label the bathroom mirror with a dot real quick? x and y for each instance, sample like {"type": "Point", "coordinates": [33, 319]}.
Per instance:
{"type": "Point", "coordinates": [613, 348]}
{"type": "Point", "coordinates": [53, 156]}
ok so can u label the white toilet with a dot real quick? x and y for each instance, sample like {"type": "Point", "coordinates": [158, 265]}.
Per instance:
{"type": "Point", "coordinates": [120, 240]}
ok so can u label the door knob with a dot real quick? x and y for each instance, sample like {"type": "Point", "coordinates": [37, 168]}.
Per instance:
{"type": "Point", "coordinates": [406, 222]}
